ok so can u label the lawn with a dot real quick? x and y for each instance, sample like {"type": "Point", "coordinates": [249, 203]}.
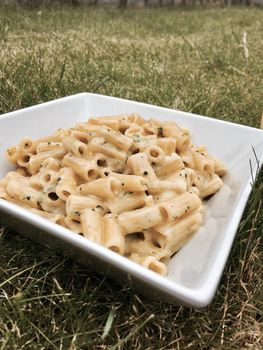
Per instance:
{"type": "Point", "coordinates": [206, 61]}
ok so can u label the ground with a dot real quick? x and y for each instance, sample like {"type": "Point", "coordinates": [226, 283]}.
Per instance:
{"type": "Point", "coordinates": [207, 61]}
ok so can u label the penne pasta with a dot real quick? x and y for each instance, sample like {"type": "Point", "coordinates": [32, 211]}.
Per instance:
{"type": "Point", "coordinates": [140, 219]}
{"type": "Point", "coordinates": [92, 225]}
{"type": "Point", "coordinates": [113, 236]}
{"type": "Point", "coordinates": [132, 185]}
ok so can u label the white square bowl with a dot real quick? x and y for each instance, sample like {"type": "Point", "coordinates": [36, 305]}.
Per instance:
{"type": "Point", "coordinates": [195, 271]}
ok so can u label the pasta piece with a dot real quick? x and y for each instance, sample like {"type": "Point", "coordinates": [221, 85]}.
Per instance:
{"type": "Point", "coordinates": [21, 171]}
{"type": "Point", "coordinates": [98, 145]}
{"type": "Point", "coordinates": [51, 203]}
{"type": "Point", "coordinates": [179, 206]}
{"type": "Point", "coordinates": [171, 163]}
{"type": "Point", "coordinates": [167, 144]}
{"type": "Point", "coordinates": [131, 183]}
{"type": "Point", "coordinates": [150, 262]}
{"type": "Point", "coordinates": [126, 201]}
{"type": "Point", "coordinates": [105, 188]}
{"type": "Point", "coordinates": [142, 246]}
{"type": "Point", "coordinates": [115, 165]}
{"type": "Point", "coordinates": [92, 225]}
{"type": "Point", "coordinates": [211, 187]}
{"type": "Point", "coordinates": [12, 154]}
{"type": "Point", "coordinates": [149, 202]}
{"type": "Point", "coordinates": [58, 136]}
{"type": "Point", "coordinates": [190, 177]}
{"type": "Point", "coordinates": [112, 122]}
{"type": "Point", "coordinates": [203, 163]}
{"type": "Point", "coordinates": [117, 139]}
{"type": "Point", "coordinates": [158, 186]}
{"type": "Point", "coordinates": [187, 158]}
{"type": "Point", "coordinates": [51, 164]}
{"type": "Point", "coordinates": [219, 168]}
{"type": "Point", "coordinates": [35, 161]}
{"type": "Point", "coordinates": [113, 237]}
{"type": "Point", "coordinates": [155, 154]}
{"type": "Point", "coordinates": [135, 118]}
{"type": "Point", "coordinates": [77, 147]}
{"type": "Point", "coordinates": [75, 204]}
{"type": "Point", "coordinates": [20, 154]}
{"type": "Point", "coordinates": [87, 169]}
{"type": "Point", "coordinates": [134, 130]}
{"type": "Point", "coordinates": [140, 219]}
{"type": "Point", "coordinates": [170, 129]}
{"type": "Point", "coordinates": [66, 183]}
{"type": "Point", "coordinates": [195, 190]}
{"type": "Point", "coordinates": [179, 178]}
{"type": "Point", "coordinates": [140, 166]}
{"type": "Point", "coordinates": [119, 122]}
{"type": "Point", "coordinates": [48, 145]}
{"type": "Point", "coordinates": [13, 175]}
{"type": "Point", "coordinates": [44, 179]}
{"type": "Point", "coordinates": [24, 193]}
{"type": "Point", "coordinates": [141, 142]}
{"type": "Point", "coordinates": [111, 136]}
{"type": "Point", "coordinates": [178, 233]}
{"type": "Point", "coordinates": [73, 225]}
{"type": "Point", "coordinates": [27, 145]}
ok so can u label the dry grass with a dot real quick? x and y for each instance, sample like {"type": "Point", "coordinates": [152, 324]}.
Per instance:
{"type": "Point", "coordinates": [208, 62]}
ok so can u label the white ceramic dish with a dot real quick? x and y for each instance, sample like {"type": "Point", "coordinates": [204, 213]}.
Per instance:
{"type": "Point", "coordinates": [193, 273]}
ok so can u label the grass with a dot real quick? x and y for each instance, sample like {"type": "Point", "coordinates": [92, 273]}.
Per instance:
{"type": "Point", "coordinates": [204, 61]}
